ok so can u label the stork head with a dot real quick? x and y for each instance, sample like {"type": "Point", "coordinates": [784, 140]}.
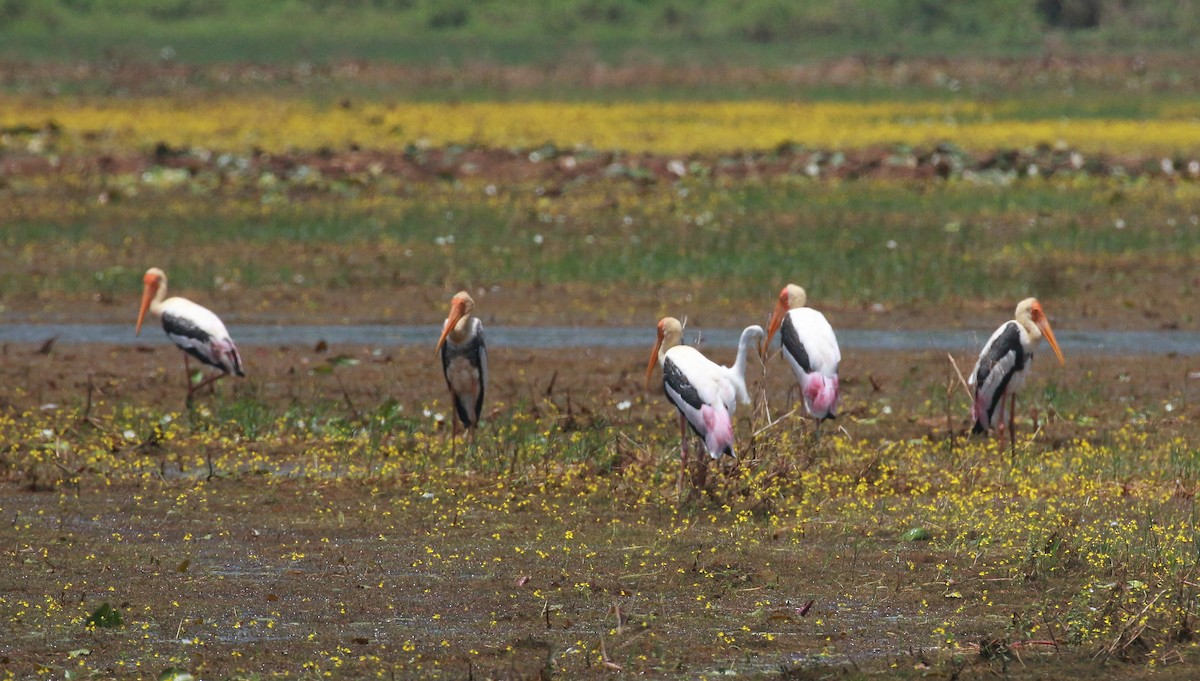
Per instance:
{"type": "Point", "coordinates": [153, 281]}
{"type": "Point", "coordinates": [670, 334]}
{"type": "Point", "coordinates": [461, 307]}
{"type": "Point", "coordinates": [790, 298]}
{"type": "Point", "coordinates": [1033, 318]}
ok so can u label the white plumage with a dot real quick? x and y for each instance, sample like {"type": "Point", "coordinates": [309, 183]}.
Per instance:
{"type": "Point", "coordinates": [704, 392]}
{"type": "Point", "coordinates": [1004, 363]}
{"type": "Point", "coordinates": [192, 328]}
{"type": "Point", "coordinates": [700, 389]}
{"type": "Point", "coordinates": [811, 348]}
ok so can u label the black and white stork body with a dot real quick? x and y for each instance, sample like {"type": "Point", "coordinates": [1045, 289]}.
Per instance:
{"type": "Point", "coordinates": [811, 348]}
{"type": "Point", "coordinates": [192, 328]}
{"type": "Point", "coordinates": [1004, 363]}
{"type": "Point", "coordinates": [464, 359]}
{"type": "Point", "coordinates": [704, 392]}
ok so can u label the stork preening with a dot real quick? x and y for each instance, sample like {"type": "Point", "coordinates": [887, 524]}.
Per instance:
{"type": "Point", "coordinates": [811, 347]}
{"type": "Point", "coordinates": [704, 392]}
{"type": "Point", "coordinates": [1004, 364]}
{"type": "Point", "coordinates": [192, 328]}
{"type": "Point", "coordinates": [464, 360]}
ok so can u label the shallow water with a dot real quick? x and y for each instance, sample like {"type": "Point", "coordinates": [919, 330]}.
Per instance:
{"type": "Point", "coordinates": [1085, 342]}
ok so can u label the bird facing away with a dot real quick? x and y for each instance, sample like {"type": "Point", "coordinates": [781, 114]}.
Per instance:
{"type": "Point", "coordinates": [192, 328]}
{"type": "Point", "coordinates": [464, 359]}
{"type": "Point", "coordinates": [1004, 364]}
{"type": "Point", "coordinates": [811, 347]}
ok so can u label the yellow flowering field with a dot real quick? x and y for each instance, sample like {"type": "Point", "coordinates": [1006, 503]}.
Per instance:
{"type": "Point", "coordinates": [307, 523]}
{"type": "Point", "coordinates": [673, 127]}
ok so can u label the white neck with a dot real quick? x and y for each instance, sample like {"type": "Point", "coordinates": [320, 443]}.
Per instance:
{"type": "Point", "coordinates": [737, 373]}
{"type": "Point", "coordinates": [462, 329]}
{"type": "Point", "coordinates": [156, 304]}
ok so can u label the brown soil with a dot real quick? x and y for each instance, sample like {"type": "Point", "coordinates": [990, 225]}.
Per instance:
{"type": "Point", "coordinates": [240, 576]}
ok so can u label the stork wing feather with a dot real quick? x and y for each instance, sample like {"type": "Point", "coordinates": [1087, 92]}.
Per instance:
{"type": "Point", "coordinates": [676, 381]}
{"type": "Point", "coordinates": [810, 342]}
{"type": "Point", "coordinates": [467, 384]}
{"type": "Point", "coordinates": [794, 346]}
{"type": "Point", "coordinates": [999, 362]}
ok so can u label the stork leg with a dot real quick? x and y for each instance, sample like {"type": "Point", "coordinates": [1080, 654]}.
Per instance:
{"type": "Point", "coordinates": [683, 457]}
{"type": "Point", "coordinates": [1012, 421]}
{"type": "Point", "coordinates": [187, 371]}
{"type": "Point", "coordinates": [998, 420]}
{"type": "Point", "coordinates": [202, 384]}
{"type": "Point", "coordinates": [468, 437]}
{"type": "Point", "coordinates": [453, 426]}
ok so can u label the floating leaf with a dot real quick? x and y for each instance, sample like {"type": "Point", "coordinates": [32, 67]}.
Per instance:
{"type": "Point", "coordinates": [183, 566]}
{"type": "Point", "coordinates": [916, 534]}
{"type": "Point", "coordinates": [105, 617]}
{"type": "Point", "coordinates": [78, 652]}
{"type": "Point", "coordinates": [343, 361]}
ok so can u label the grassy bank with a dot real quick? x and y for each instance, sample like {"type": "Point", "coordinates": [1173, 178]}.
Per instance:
{"type": "Point", "coordinates": [271, 245]}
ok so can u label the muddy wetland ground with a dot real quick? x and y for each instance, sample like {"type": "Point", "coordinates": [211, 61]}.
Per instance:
{"type": "Point", "coordinates": [315, 520]}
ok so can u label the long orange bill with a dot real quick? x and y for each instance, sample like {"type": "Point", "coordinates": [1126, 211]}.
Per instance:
{"type": "Point", "coordinates": [653, 358]}
{"type": "Point", "coordinates": [776, 319]}
{"type": "Point", "coordinates": [456, 313]}
{"type": "Point", "coordinates": [1045, 327]}
{"type": "Point", "coordinates": [147, 296]}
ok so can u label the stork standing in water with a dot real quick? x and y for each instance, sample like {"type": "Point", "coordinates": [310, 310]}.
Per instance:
{"type": "Point", "coordinates": [1003, 365]}
{"type": "Point", "coordinates": [704, 392]}
{"type": "Point", "coordinates": [811, 348]}
{"type": "Point", "coordinates": [192, 328]}
{"type": "Point", "coordinates": [464, 360]}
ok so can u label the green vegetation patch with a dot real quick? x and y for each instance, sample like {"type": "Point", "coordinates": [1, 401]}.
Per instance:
{"type": "Point", "coordinates": [543, 31]}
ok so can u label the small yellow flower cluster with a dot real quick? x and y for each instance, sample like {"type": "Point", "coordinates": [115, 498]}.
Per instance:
{"type": "Point", "coordinates": [278, 125]}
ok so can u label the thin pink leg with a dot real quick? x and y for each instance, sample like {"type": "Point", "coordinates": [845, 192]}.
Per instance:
{"type": "Point", "coordinates": [1012, 420]}
{"type": "Point", "coordinates": [683, 458]}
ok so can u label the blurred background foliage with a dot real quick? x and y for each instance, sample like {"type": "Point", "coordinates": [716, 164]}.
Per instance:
{"type": "Point", "coordinates": [543, 31]}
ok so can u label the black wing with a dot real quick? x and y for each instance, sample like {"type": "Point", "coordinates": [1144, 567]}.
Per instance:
{"type": "Point", "coordinates": [190, 338]}
{"type": "Point", "coordinates": [475, 352]}
{"type": "Point", "coordinates": [996, 352]}
{"type": "Point", "coordinates": [791, 342]}
{"type": "Point", "coordinates": [1001, 358]}
{"type": "Point", "coordinates": [678, 382]}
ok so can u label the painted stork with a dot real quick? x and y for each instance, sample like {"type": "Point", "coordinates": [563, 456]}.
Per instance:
{"type": "Point", "coordinates": [704, 392]}
{"type": "Point", "coordinates": [811, 348]}
{"type": "Point", "coordinates": [464, 359]}
{"type": "Point", "coordinates": [1003, 364]}
{"type": "Point", "coordinates": [192, 328]}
